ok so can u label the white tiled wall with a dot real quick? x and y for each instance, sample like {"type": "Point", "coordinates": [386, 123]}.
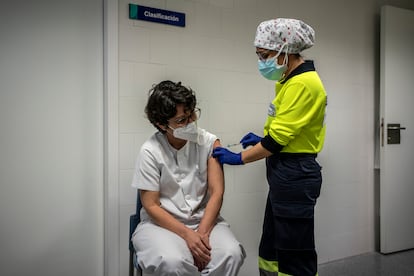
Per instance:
{"type": "Point", "coordinates": [214, 55]}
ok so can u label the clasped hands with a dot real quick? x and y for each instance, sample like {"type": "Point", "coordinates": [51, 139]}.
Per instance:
{"type": "Point", "coordinates": [199, 245]}
{"type": "Point", "coordinates": [225, 156]}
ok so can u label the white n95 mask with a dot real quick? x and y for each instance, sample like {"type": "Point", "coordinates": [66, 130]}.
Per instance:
{"type": "Point", "coordinates": [190, 132]}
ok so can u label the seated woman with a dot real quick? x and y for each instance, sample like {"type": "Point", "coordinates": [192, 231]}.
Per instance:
{"type": "Point", "coordinates": [181, 187]}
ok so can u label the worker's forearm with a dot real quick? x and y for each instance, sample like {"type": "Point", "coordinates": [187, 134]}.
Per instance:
{"type": "Point", "coordinates": [255, 153]}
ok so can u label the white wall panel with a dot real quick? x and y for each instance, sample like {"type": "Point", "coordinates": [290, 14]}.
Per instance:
{"type": "Point", "coordinates": [51, 145]}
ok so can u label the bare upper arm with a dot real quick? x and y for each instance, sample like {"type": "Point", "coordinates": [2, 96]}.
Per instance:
{"type": "Point", "coordinates": [216, 143]}
{"type": "Point", "coordinates": [215, 173]}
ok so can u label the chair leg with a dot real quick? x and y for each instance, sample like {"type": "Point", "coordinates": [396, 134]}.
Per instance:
{"type": "Point", "coordinates": [131, 264]}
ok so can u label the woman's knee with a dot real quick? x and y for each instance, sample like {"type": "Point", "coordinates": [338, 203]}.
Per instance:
{"type": "Point", "coordinates": [233, 252]}
{"type": "Point", "coordinates": [170, 262]}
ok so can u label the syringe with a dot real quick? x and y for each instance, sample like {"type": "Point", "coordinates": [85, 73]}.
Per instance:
{"type": "Point", "coordinates": [233, 145]}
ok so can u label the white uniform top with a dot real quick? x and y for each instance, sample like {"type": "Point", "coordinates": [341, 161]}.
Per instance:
{"type": "Point", "coordinates": [179, 175]}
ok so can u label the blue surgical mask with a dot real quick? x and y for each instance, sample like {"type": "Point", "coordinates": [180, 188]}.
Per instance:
{"type": "Point", "coordinates": [271, 70]}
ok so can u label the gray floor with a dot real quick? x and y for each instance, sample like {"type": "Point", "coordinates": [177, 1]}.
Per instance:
{"type": "Point", "coordinates": [396, 264]}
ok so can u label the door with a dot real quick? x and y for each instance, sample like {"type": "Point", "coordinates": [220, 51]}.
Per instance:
{"type": "Point", "coordinates": [397, 130]}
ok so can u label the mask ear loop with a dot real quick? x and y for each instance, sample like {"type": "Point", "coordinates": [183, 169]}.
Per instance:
{"type": "Point", "coordinates": [286, 58]}
{"type": "Point", "coordinates": [280, 52]}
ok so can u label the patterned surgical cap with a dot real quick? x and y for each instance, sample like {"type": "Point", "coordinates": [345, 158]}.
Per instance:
{"type": "Point", "coordinates": [292, 35]}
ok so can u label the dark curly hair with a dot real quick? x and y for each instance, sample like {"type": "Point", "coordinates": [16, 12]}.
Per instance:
{"type": "Point", "coordinates": [163, 100]}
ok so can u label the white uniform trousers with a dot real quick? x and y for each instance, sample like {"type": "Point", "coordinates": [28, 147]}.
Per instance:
{"type": "Point", "coordinates": [162, 252]}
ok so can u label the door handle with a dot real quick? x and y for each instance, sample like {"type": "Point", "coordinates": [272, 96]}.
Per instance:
{"type": "Point", "coordinates": [394, 127]}
{"type": "Point", "coordinates": [393, 133]}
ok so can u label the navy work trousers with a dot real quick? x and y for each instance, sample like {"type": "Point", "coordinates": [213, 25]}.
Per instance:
{"type": "Point", "coordinates": [288, 228]}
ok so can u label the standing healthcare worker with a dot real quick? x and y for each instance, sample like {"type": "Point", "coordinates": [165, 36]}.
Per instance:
{"type": "Point", "coordinates": [294, 133]}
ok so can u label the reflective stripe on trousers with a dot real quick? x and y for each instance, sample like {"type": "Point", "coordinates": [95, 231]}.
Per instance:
{"type": "Point", "coordinates": [268, 268]}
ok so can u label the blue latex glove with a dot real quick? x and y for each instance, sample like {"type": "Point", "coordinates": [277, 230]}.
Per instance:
{"type": "Point", "coordinates": [250, 139]}
{"type": "Point", "coordinates": [224, 156]}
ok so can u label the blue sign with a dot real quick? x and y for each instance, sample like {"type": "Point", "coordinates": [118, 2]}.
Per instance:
{"type": "Point", "coordinates": [156, 15]}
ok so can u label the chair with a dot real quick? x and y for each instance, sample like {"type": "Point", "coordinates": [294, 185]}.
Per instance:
{"type": "Point", "coordinates": [133, 222]}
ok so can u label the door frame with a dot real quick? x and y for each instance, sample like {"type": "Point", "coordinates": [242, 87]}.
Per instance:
{"type": "Point", "coordinates": [111, 140]}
